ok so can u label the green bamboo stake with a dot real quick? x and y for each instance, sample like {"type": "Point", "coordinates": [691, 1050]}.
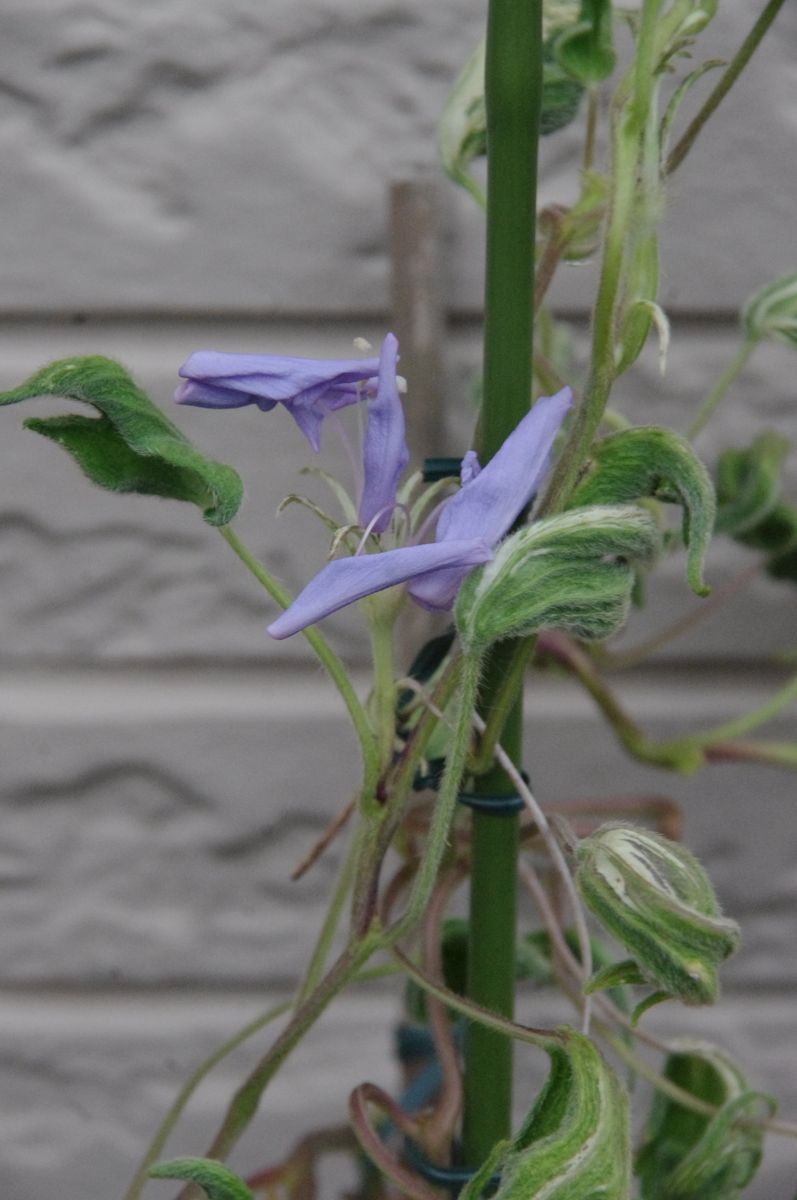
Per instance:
{"type": "Point", "coordinates": [513, 84]}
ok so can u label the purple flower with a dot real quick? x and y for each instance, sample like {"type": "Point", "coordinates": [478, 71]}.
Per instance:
{"type": "Point", "coordinates": [385, 453]}
{"type": "Point", "coordinates": [470, 524]}
{"type": "Point", "coordinates": [309, 388]}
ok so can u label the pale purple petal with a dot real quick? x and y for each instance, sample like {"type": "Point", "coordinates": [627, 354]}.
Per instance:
{"type": "Point", "coordinates": [490, 503]}
{"type": "Point", "coordinates": [309, 388]}
{"type": "Point", "coordinates": [385, 453]}
{"type": "Point", "coordinates": [437, 590]}
{"type": "Point", "coordinates": [469, 468]}
{"type": "Point", "coordinates": [345, 580]}
{"type": "Point", "coordinates": [214, 395]}
{"type": "Point", "coordinates": [276, 377]}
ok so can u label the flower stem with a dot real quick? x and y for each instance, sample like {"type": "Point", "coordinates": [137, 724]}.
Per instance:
{"type": "Point", "coordinates": [724, 85]}
{"type": "Point", "coordinates": [513, 87]}
{"type": "Point", "coordinates": [331, 920]}
{"type": "Point", "coordinates": [326, 655]}
{"type": "Point", "coordinates": [629, 118]}
{"type": "Point", "coordinates": [244, 1103]}
{"type": "Point", "coordinates": [444, 809]}
{"type": "Point", "coordinates": [384, 688]}
{"type": "Point", "coordinates": [717, 393]}
{"type": "Point", "coordinates": [155, 1148]}
{"type": "Point", "coordinates": [751, 720]}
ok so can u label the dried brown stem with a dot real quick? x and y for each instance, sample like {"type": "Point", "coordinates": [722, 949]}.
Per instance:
{"type": "Point", "coordinates": [411, 1185]}
{"type": "Point", "coordinates": [327, 837]}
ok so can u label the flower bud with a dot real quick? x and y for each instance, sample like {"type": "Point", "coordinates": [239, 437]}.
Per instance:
{"type": "Point", "coordinates": [772, 311]}
{"type": "Point", "coordinates": [654, 897]}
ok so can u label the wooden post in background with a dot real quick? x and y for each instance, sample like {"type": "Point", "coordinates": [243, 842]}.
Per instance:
{"type": "Point", "coordinates": [416, 305]}
{"type": "Point", "coordinates": [418, 321]}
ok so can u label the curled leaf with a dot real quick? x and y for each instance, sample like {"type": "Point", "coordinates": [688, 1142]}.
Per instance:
{"type": "Point", "coordinates": [686, 1155]}
{"type": "Point", "coordinates": [652, 462]}
{"type": "Point", "coordinates": [574, 1144]}
{"type": "Point", "coordinates": [677, 99]}
{"type": "Point", "coordinates": [640, 308]}
{"type": "Point", "coordinates": [131, 446]}
{"type": "Point", "coordinates": [748, 484]}
{"type": "Point", "coordinates": [462, 132]}
{"type": "Point", "coordinates": [772, 311]}
{"type": "Point", "coordinates": [573, 572]}
{"type": "Point", "coordinates": [216, 1180]}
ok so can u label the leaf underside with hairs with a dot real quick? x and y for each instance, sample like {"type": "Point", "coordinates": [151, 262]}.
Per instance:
{"type": "Point", "coordinates": [130, 446]}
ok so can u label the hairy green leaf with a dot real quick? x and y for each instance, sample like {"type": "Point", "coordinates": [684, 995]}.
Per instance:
{"type": "Point", "coordinates": [749, 507]}
{"type": "Point", "coordinates": [748, 484]}
{"type": "Point", "coordinates": [131, 446]}
{"type": "Point", "coordinates": [216, 1180]}
{"type": "Point", "coordinates": [561, 94]}
{"type": "Point", "coordinates": [585, 49]}
{"type": "Point", "coordinates": [573, 572]}
{"type": "Point", "coordinates": [574, 1144]}
{"type": "Point", "coordinates": [652, 462]}
{"type": "Point", "coordinates": [687, 1155]}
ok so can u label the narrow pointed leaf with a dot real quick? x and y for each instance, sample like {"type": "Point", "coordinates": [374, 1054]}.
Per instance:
{"type": "Point", "coordinates": [645, 1005]}
{"type": "Point", "coordinates": [131, 446]}
{"type": "Point", "coordinates": [614, 975]}
{"type": "Point", "coordinates": [677, 98]}
{"type": "Point", "coordinates": [217, 1181]}
{"type": "Point", "coordinates": [652, 462]}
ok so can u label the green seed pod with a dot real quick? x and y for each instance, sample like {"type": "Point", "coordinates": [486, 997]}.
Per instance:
{"type": "Point", "coordinates": [574, 1144]}
{"type": "Point", "coordinates": [654, 897]}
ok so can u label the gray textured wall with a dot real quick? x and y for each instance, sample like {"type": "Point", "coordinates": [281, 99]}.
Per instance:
{"type": "Point", "coordinates": [179, 175]}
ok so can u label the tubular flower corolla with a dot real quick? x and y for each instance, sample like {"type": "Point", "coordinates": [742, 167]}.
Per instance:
{"type": "Point", "coordinates": [470, 524]}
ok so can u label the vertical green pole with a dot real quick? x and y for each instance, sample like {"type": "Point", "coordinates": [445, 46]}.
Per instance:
{"type": "Point", "coordinates": [513, 85]}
